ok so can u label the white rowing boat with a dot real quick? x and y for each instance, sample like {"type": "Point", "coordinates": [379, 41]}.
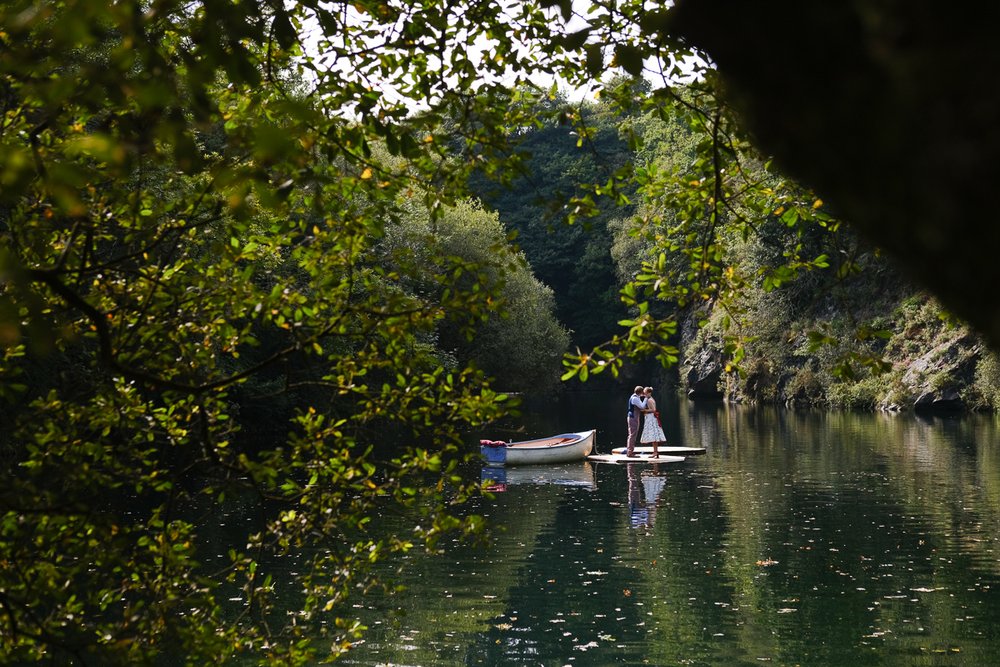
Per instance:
{"type": "Point", "coordinates": [560, 448]}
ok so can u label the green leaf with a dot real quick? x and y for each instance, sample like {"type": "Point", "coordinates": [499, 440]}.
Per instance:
{"type": "Point", "coordinates": [284, 32]}
{"type": "Point", "coordinates": [629, 58]}
{"type": "Point", "coordinates": [594, 59]}
{"type": "Point", "coordinates": [574, 40]}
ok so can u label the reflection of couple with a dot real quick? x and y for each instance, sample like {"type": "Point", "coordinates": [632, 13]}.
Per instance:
{"type": "Point", "coordinates": [641, 402]}
{"type": "Point", "coordinates": [643, 490]}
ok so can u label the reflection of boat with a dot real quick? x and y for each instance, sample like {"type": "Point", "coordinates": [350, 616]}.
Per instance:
{"type": "Point", "coordinates": [560, 448]}
{"type": "Point", "coordinates": [577, 474]}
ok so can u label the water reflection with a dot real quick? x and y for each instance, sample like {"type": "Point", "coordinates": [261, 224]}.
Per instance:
{"type": "Point", "coordinates": [799, 538]}
{"type": "Point", "coordinates": [580, 474]}
{"type": "Point", "coordinates": [645, 483]}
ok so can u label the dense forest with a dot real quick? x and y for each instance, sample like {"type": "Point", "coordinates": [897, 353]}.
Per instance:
{"type": "Point", "coordinates": [846, 331]}
{"type": "Point", "coordinates": [288, 255]}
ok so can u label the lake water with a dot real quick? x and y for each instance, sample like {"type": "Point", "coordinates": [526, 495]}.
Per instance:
{"type": "Point", "coordinates": [800, 538]}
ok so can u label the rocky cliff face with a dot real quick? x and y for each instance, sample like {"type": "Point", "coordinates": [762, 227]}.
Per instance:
{"type": "Point", "coordinates": [702, 365]}
{"type": "Point", "coordinates": [931, 364]}
{"type": "Point", "coordinates": [939, 374]}
{"type": "Point", "coordinates": [910, 93]}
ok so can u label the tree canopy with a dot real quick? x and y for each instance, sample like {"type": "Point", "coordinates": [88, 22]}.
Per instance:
{"type": "Point", "coordinates": [209, 211]}
{"type": "Point", "coordinates": [902, 119]}
{"type": "Point", "coordinates": [194, 203]}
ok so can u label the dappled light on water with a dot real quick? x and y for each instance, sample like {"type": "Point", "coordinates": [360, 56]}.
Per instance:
{"type": "Point", "coordinates": [799, 538]}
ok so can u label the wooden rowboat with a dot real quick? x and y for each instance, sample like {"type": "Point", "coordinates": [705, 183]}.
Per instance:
{"type": "Point", "coordinates": [560, 448]}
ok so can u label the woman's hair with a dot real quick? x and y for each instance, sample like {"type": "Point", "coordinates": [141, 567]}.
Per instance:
{"type": "Point", "coordinates": [648, 390]}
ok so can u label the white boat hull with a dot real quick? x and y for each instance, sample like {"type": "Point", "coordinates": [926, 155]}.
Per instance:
{"type": "Point", "coordinates": [561, 448]}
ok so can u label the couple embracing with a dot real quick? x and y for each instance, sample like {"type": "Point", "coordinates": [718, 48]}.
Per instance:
{"type": "Point", "coordinates": [641, 402]}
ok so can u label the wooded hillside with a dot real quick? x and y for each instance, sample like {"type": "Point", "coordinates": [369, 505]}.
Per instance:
{"type": "Point", "coordinates": [256, 252]}
{"type": "Point", "coordinates": [815, 316]}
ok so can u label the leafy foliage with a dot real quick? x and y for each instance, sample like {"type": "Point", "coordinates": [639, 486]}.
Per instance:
{"type": "Point", "coordinates": [718, 232]}
{"type": "Point", "coordinates": [516, 340]}
{"type": "Point", "coordinates": [568, 156]}
{"type": "Point", "coordinates": [228, 218]}
{"type": "Point", "coordinates": [193, 202]}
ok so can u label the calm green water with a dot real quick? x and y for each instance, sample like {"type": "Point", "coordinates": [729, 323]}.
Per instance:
{"type": "Point", "coordinates": [798, 539]}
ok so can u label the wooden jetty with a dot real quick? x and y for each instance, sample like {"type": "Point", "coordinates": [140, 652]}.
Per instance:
{"type": "Point", "coordinates": [621, 458]}
{"type": "Point", "coordinates": [670, 451]}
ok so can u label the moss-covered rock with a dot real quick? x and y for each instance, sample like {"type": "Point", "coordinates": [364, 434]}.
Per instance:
{"type": "Point", "coordinates": [921, 360]}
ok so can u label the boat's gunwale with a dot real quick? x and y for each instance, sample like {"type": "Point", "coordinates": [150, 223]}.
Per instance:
{"type": "Point", "coordinates": [553, 441]}
{"type": "Point", "coordinates": [560, 448]}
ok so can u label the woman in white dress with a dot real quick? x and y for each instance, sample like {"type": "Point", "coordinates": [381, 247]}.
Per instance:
{"type": "Point", "coordinates": [652, 431]}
